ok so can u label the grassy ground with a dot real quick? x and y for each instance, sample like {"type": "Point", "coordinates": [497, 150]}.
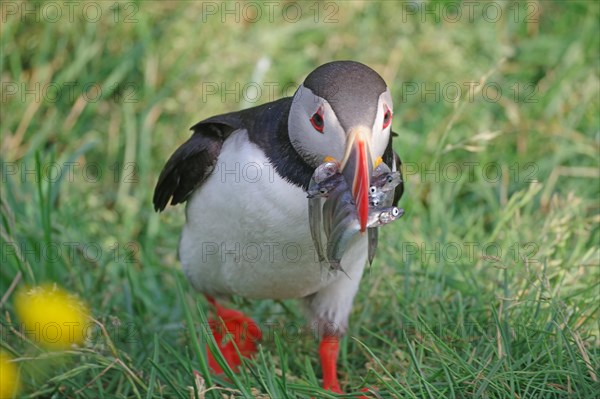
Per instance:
{"type": "Point", "coordinates": [489, 285]}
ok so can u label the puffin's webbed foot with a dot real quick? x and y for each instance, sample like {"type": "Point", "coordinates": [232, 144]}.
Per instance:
{"type": "Point", "coordinates": [232, 328]}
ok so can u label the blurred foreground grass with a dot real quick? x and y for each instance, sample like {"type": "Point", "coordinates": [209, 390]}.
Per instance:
{"type": "Point", "coordinates": [488, 287]}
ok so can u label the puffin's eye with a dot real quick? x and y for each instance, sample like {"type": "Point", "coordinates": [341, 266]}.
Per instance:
{"type": "Point", "coordinates": [317, 120]}
{"type": "Point", "coordinates": [387, 117]}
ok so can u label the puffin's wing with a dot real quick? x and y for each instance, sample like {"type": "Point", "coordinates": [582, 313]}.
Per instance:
{"type": "Point", "coordinates": [194, 160]}
{"type": "Point", "coordinates": [392, 159]}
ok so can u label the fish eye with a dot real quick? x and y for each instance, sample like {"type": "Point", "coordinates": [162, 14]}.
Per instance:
{"type": "Point", "coordinates": [390, 178]}
{"type": "Point", "coordinates": [323, 191]}
{"type": "Point", "coordinates": [372, 190]}
{"type": "Point", "coordinates": [395, 212]}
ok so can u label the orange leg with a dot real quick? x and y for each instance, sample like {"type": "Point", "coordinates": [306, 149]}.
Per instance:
{"type": "Point", "coordinates": [239, 329]}
{"type": "Point", "coordinates": [328, 351]}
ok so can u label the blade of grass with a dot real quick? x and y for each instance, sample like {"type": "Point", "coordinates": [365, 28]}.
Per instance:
{"type": "Point", "coordinates": [196, 347]}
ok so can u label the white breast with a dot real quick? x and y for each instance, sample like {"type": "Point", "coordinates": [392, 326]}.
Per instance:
{"type": "Point", "coordinates": [247, 231]}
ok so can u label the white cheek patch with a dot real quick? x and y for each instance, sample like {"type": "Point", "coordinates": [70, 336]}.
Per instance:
{"type": "Point", "coordinates": [336, 137]}
{"type": "Point", "coordinates": [313, 145]}
{"type": "Point", "coordinates": [381, 136]}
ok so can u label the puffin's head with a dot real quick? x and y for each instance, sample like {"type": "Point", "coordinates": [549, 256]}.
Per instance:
{"type": "Point", "coordinates": [343, 110]}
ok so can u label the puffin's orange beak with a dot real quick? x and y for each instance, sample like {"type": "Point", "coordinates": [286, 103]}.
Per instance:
{"type": "Point", "coordinates": [357, 167]}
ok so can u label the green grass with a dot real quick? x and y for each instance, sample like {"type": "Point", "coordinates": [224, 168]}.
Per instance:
{"type": "Point", "coordinates": [514, 314]}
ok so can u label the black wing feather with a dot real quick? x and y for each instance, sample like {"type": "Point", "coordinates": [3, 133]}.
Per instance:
{"type": "Point", "coordinates": [193, 161]}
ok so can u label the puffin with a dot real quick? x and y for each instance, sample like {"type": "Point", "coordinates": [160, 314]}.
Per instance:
{"type": "Point", "coordinates": [244, 176]}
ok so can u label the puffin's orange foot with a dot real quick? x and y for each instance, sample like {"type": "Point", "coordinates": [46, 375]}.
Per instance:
{"type": "Point", "coordinates": [232, 328]}
{"type": "Point", "coordinates": [328, 352]}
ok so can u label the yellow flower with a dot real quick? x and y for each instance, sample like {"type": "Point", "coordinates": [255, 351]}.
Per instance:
{"type": "Point", "coordinates": [52, 316]}
{"type": "Point", "coordinates": [9, 377]}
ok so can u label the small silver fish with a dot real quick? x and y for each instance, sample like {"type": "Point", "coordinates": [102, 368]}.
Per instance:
{"type": "Point", "coordinates": [386, 181]}
{"type": "Point", "coordinates": [383, 183]}
{"type": "Point", "coordinates": [323, 188]}
{"type": "Point", "coordinates": [324, 179]}
{"type": "Point", "coordinates": [340, 224]}
{"type": "Point", "coordinates": [340, 238]}
{"type": "Point", "coordinates": [315, 219]}
{"type": "Point", "coordinates": [380, 217]}
{"type": "Point", "coordinates": [325, 171]}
